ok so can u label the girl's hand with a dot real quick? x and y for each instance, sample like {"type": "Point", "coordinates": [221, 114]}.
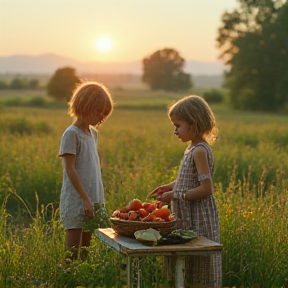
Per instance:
{"type": "Point", "coordinates": [88, 208]}
{"type": "Point", "coordinates": [166, 197]}
{"type": "Point", "coordinates": [160, 190]}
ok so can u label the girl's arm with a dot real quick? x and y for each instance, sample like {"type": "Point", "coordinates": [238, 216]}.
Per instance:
{"type": "Point", "coordinates": [206, 186]}
{"type": "Point", "coordinates": [69, 164]}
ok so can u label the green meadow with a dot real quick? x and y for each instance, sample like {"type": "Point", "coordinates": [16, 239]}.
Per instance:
{"type": "Point", "coordinates": [139, 152]}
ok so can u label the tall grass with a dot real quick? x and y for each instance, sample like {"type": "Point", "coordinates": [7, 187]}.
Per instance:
{"type": "Point", "coordinates": [138, 152]}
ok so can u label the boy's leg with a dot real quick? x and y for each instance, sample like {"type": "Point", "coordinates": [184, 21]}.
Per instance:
{"type": "Point", "coordinates": [73, 241]}
{"type": "Point", "coordinates": [86, 238]}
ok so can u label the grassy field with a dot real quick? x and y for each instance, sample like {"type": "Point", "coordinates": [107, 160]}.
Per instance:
{"type": "Point", "coordinates": [138, 152]}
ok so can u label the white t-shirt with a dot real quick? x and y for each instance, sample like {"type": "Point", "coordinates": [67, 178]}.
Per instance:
{"type": "Point", "coordinates": [75, 141]}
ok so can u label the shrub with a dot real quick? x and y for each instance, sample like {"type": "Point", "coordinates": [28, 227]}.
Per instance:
{"type": "Point", "coordinates": [36, 101]}
{"type": "Point", "coordinates": [3, 85]}
{"type": "Point", "coordinates": [213, 96]}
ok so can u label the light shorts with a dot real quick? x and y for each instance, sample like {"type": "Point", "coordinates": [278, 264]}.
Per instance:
{"type": "Point", "coordinates": [74, 222]}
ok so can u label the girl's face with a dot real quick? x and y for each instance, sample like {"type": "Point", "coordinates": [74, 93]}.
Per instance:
{"type": "Point", "coordinates": [183, 130]}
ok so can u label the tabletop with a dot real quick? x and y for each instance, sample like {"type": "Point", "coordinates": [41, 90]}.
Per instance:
{"type": "Point", "coordinates": [132, 248]}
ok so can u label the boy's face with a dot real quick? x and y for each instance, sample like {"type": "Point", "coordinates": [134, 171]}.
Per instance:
{"type": "Point", "coordinates": [183, 130]}
{"type": "Point", "coordinates": [96, 118]}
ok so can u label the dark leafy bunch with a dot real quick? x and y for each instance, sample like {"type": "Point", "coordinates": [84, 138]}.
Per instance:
{"type": "Point", "coordinates": [100, 219]}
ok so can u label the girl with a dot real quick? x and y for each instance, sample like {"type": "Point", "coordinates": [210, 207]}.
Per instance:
{"type": "Point", "coordinates": [91, 104]}
{"type": "Point", "coordinates": [191, 194]}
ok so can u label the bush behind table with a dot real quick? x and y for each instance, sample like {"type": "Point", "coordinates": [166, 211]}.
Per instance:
{"type": "Point", "coordinates": [139, 152]}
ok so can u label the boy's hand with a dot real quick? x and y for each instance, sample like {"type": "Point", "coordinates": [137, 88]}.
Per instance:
{"type": "Point", "coordinates": [88, 208]}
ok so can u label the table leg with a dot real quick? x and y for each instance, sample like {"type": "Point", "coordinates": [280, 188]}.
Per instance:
{"type": "Point", "coordinates": [180, 272]}
{"type": "Point", "coordinates": [134, 278]}
{"type": "Point", "coordinates": [139, 274]}
{"type": "Point", "coordinates": [129, 273]}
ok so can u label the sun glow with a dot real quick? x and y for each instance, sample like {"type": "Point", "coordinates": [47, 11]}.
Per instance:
{"type": "Point", "coordinates": [104, 44]}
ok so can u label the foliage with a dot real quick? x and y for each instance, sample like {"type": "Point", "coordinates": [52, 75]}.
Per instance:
{"type": "Point", "coordinates": [164, 70]}
{"type": "Point", "coordinates": [37, 101]}
{"type": "Point", "coordinates": [19, 83]}
{"type": "Point", "coordinates": [33, 83]}
{"type": "Point", "coordinates": [253, 41]}
{"type": "Point", "coordinates": [62, 83]}
{"type": "Point", "coordinates": [3, 85]}
{"type": "Point", "coordinates": [250, 185]}
{"type": "Point", "coordinates": [32, 101]}
{"type": "Point", "coordinates": [213, 96]}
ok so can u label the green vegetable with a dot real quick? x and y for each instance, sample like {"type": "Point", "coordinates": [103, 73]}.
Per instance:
{"type": "Point", "coordinates": [183, 233]}
{"type": "Point", "coordinates": [99, 220]}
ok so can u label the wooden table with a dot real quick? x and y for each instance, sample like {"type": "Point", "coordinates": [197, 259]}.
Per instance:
{"type": "Point", "coordinates": [132, 248]}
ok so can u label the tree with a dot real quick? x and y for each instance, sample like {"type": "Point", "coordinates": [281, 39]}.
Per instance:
{"type": "Point", "coordinates": [33, 83]}
{"type": "Point", "coordinates": [3, 85]}
{"type": "Point", "coordinates": [17, 83]}
{"type": "Point", "coordinates": [164, 70]}
{"type": "Point", "coordinates": [249, 18]}
{"type": "Point", "coordinates": [253, 42]}
{"type": "Point", "coordinates": [62, 83]}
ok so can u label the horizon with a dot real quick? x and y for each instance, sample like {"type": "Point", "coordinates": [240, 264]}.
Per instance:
{"type": "Point", "coordinates": [133, 29]}
{"type": "Point", "coordinates": [100, 61]}
{"type": "Point", "coordinates": [50, 62]}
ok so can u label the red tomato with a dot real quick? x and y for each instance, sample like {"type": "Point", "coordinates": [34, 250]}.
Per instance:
{"type": "Point", "coordinates": [133, 216]}
{"type": "Point", "coordinates": [124, 210]}
{"type": "Point", "coordinates": [163, 213]}
{"type": "Point", "coordinates": [135, 205]}
{"type": "Point", "coordinates": [151, 208]}
{"type": "Point", "coordinates": [146, 205]}
{"type": "Point", "coordinates": [143, 213]}
{"type": "Point", "coordinates": [148, 218]}
{"type": "Point", "coordinates": [160, 204]}
{"type": "Point", "coordinates": [124, 216]}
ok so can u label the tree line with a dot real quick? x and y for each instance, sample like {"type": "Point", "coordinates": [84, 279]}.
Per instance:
{"type": "Point", "coordinates": [18, 83]}
{"type": "Point", "coordinates": [253, 43]}
{"type": "Point", "coordinates": [162, 70]}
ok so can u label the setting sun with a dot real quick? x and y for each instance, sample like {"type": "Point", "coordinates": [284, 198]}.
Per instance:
{"type": "Point", "coordinates": [104, 44]}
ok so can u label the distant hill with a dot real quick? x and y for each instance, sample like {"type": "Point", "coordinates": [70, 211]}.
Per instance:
{"type": "Point", "coordinates": [49, 63]}
{"type": "Point", "coordinates": [205, 74]}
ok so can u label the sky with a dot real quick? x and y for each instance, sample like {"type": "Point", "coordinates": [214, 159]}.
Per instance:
{"type": "Point", "coordinates": [136, 28]}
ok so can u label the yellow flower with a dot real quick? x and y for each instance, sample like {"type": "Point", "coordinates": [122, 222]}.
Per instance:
{"type": "Point", "coordinates": [229, 212]}
{"type": "Point", "coordinates": [248, 214]}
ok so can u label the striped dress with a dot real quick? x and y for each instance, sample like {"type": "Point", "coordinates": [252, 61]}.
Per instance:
{"type": "Point", "coordinates": [200, 216]}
